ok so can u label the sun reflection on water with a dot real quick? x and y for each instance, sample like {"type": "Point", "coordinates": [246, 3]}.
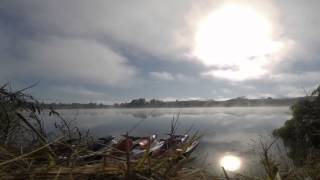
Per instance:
{"type": "Point", "coordinates": [230, 162]}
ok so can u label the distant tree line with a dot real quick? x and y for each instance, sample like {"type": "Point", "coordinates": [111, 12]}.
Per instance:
{"type": "Point", "coordinates": [75, 105]}
{"type": "Point", "coordinates": [239, 101]}
{"type": "Point", "coordinates": [154, 103]}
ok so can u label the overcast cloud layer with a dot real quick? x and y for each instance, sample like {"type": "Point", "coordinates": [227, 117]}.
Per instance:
{"type": "Point", "coordinates": [111, 51]}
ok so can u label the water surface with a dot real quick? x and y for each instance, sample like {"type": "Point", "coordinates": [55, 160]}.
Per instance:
{"type": "Point", "coordinates": [225, 130]}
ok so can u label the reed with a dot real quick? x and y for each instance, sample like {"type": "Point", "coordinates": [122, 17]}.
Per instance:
{"type": "Point", "coordinates": [27, 152]}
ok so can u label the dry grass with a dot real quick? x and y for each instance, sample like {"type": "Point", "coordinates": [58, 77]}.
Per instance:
{"type": "Point", "coordinates": [26, 152]}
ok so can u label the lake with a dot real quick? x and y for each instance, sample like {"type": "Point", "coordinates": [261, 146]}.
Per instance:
{"type": "Point", "coordinates": [225, 130]}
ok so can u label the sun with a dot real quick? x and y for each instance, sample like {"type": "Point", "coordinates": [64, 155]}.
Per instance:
{"type": "Point", "coordinates": [230, 162]}
{"type": "Point", "coordinates": [237, 40]}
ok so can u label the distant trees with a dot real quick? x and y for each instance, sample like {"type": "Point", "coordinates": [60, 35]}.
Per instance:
{"type": "Point", "coordinates": [138, 102]}
{"type": "Point", "coordinates": [239, 101]}
{"type": "Point", "coordinates": [141, 102]}
{"type": "Point", "coordinates": [301, 134]}
{"type": "Point", "coordinates": [75, 105]}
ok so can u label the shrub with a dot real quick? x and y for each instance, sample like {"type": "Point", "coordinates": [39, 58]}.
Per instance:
{"type": "Point", "coordinates": [301, 134]}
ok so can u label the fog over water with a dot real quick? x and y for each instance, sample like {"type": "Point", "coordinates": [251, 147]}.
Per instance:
{"type": "Point", "coordinates": [225, 130]}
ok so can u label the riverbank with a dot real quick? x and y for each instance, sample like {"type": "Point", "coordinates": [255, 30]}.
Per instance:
{"type": "Point", "coordinates": [153, 103]}
{"type": "Point", "coordinates": [28, 152]}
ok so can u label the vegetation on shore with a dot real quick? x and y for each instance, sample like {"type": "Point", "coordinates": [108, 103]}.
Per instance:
{"type": "Point", "coordinates": [301, 134]}
{"type": "Point", "coordinates": [239, 101]}
{"type": "Point", "coordinates": [154, 103]}
{"type": "Point", "coordinates": [28, 152]}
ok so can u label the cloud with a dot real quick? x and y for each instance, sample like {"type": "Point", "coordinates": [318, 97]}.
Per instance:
{"type": "Point", "coordinates": [299, 22]}
{"type": "Point", "coordinates": [81, 94]}
{"type": "Point", "coordinates": [162, 76]}
{"type": "Point", "coordinates": [156, 27]}
{"type": "Point", "coordinates": [80, 91]}
{"type": "Point", "coordinates": [242, 48]}
{"type": "Point", "coordinates": [111, 46]}
{"type": "Point", "coordinates": [177, 77]}
{"type": "Point", "coordinates": [72, 59]}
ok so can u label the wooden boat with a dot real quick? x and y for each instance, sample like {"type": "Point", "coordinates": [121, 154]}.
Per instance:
{"type": "Point", "coordinates": [176, 143]}
{"type": "Point", "coordinates": [137, 146]}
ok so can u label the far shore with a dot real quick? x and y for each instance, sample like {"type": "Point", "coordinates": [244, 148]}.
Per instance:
{"type": "Point", "coordinates": [143, 103]}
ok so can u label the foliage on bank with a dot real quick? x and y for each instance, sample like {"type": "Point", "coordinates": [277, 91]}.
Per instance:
{"type": "Point", "coordinates": [27, 151]}
{"type": "Point", "coordinates": [301, 134]}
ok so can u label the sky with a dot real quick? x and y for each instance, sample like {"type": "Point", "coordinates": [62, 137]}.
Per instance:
{"type": "Point", "coordinates": [114, 51]}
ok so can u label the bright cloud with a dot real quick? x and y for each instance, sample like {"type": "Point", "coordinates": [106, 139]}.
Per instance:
{"type": "Point", "coordinates": [130, 49]}
{"type": "Point", "coordinates": [237, 36]}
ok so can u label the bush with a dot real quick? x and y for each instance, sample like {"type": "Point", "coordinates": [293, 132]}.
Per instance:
{"type": "Point", "coordinates": [301, 134]}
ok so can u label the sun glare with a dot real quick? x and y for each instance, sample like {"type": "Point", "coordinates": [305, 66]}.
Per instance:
{"type": "Point", "coordinates": [237, 39]}
{"type": "Point", "coordinates": [230, 163]}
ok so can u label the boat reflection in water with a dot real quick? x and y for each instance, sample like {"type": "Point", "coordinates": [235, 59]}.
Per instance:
{"type": "Point", "coordinates": [230, 162]}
